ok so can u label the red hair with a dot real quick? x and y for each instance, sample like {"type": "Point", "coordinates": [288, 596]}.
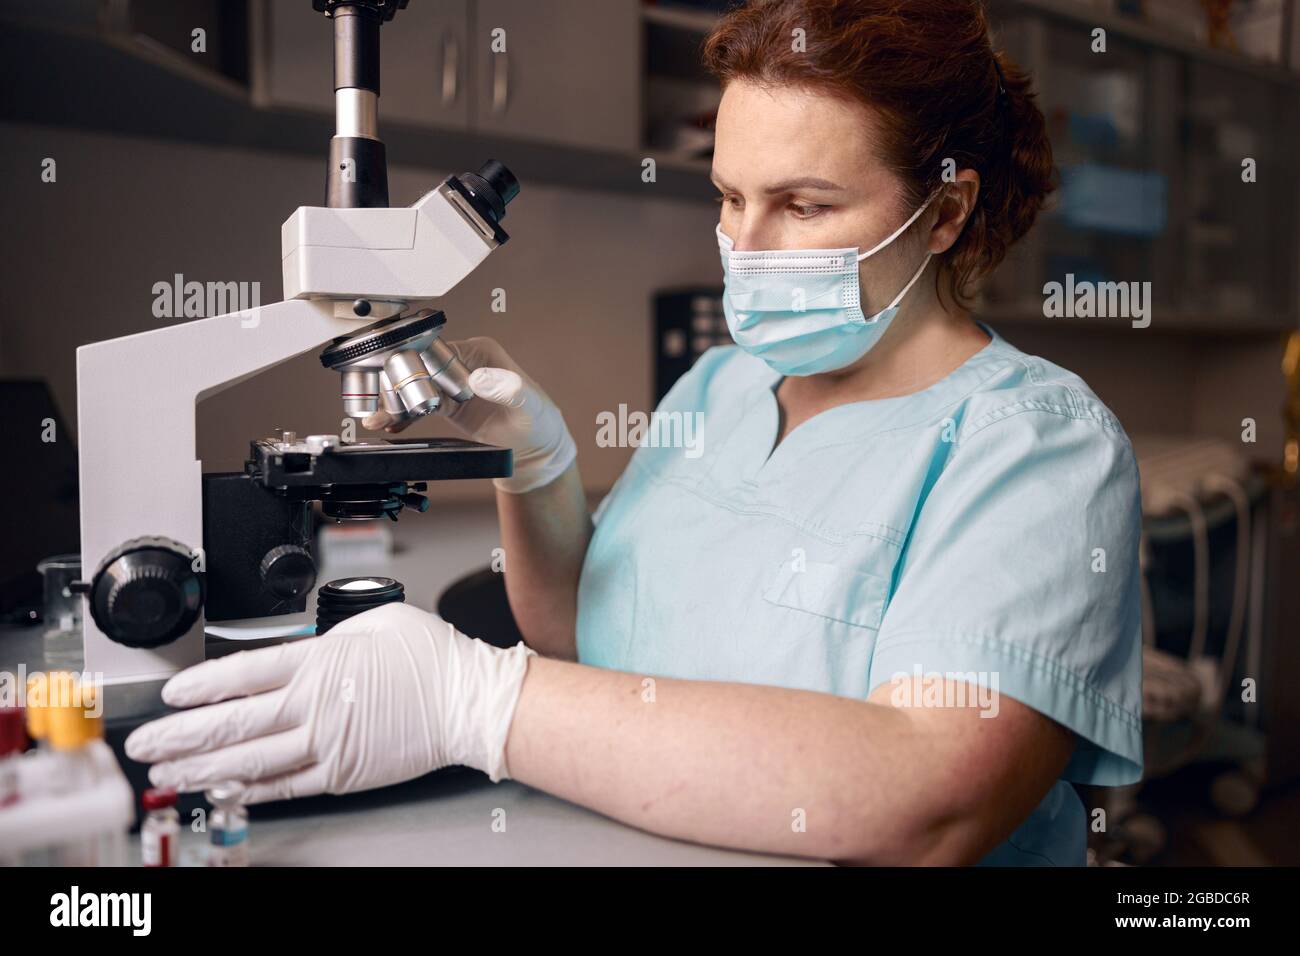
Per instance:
{"type": "Point", "coordinates": [928, 71]}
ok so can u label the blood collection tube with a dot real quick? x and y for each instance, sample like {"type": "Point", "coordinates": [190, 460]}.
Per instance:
{"type": "Point", "coordinates": [160, 834]}
{"type": "Point", "coordinates": [13, 741]}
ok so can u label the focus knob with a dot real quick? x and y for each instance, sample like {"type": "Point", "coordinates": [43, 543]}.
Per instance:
{"type": "Point", "coordinates": [146, 593]}
{"type": "Point", "coordinates": [288, 571]}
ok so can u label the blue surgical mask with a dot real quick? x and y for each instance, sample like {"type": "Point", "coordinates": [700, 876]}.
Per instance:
{"type": "Point", "coordinates": [800, 310]}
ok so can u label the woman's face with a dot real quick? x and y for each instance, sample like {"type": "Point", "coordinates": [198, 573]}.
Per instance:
{"type": "Point", "coordinates": [799, 169]}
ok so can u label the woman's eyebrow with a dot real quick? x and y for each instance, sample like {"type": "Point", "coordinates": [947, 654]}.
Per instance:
{"type": "Point", "coordinates": [806, 182]}
{"type": "Point", "coordinates": [789, 185]}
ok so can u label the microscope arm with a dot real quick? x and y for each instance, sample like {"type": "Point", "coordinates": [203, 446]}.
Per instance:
{"type": "Point", "coordinates": [139, 467]}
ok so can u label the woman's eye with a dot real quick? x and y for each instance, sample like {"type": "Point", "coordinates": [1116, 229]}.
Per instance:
{"type": "Point", "coordinates": [805, 210]}
{"type": "Point", "coordinates": [733, 201]}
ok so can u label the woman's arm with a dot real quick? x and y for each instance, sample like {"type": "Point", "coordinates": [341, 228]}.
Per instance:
{"type": "Point", "coordinates": [545, 533]}
{"type": "Point", "coordinates": [545, 526]}
{"type": "Point", "coordinates": [746, 766]}
{"type": "Point", "coordinates": [782, 771]}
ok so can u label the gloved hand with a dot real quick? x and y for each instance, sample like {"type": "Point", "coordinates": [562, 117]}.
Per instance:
{"type": "Point", "coordinates": [508, 409]}
{"type": "Point", "coordinates": [386, 696]}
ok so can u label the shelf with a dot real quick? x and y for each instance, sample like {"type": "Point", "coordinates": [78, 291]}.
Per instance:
{"type": "Point", "coordinates": [1071, 10]}
{"type": "Point", "coordinates": [1152, 36]}
{"type": "Point", "coordinates": [124, 87]}
{"type": "Point", "coordinates": [154, 93]}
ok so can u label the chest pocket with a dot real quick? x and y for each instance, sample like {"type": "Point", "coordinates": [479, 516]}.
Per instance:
{"type": "Point", "coordinates": [832, 591]}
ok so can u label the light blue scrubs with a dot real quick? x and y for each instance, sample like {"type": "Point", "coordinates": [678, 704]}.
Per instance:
{"type": "Point", "coordinates": [984, 529]}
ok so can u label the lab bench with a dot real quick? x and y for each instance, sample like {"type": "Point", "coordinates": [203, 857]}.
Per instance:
{"type": "Point", "coordinates": [452, 817]}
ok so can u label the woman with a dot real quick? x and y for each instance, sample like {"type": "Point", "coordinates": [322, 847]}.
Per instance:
{"type": "Point", "coordinates": [887, 616]}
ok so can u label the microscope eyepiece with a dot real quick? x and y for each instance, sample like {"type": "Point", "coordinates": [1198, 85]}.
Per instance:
{"type": "Point", "coordinates": [495, 184]}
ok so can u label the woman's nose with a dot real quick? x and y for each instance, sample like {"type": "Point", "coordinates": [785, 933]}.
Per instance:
{"type": "Point", "coordinates": [749, 236]}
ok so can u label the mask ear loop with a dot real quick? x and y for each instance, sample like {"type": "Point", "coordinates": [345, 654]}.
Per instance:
{"type": "Point", "coordinates": [924, 262]}
{"type": "Point", "coordinates": [908, 288]}
{"type": "Point", "coordinates": [900, 230]}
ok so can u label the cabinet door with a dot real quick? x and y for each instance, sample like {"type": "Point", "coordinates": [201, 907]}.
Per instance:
{"type": "Point", "coordinates": [423, 55]}
{"type": "Point", "coordinates": [426, 65]}
{"type": "Point", "coordinates": [569, 71]}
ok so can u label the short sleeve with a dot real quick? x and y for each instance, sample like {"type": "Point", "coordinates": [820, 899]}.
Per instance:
{"type": "Point", "coordinates": [1021, 575]}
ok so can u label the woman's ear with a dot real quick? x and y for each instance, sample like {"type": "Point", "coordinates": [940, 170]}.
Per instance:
{"type": "Point", "coordinates": [955, 206]}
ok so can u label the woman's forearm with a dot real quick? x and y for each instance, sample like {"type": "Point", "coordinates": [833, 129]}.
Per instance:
{"type": "Point", "coordinates": [545, 533]}
{"type": "Point", "coordinates": [736, 765]}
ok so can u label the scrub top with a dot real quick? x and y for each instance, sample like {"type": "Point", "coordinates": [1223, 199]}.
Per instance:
{"type": "Point", "coordinates": [983, 530]}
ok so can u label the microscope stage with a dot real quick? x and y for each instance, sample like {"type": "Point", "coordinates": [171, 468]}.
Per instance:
{"type": "Point", "coordinates": [377, 462]}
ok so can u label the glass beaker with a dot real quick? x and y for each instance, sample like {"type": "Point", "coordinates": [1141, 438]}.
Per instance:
{"type": "Point", "coordinates": [62, 608]}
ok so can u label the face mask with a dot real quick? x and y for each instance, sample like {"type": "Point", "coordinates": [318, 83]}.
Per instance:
{"type": "Point", "coordinates": [800, 310]}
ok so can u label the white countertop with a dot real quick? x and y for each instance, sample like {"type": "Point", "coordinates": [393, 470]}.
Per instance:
{"type": "Point", "coordinates": [459, 818]}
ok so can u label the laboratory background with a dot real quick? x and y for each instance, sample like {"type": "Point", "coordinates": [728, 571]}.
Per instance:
{"type": "Point", "coordinates": [137, 161]}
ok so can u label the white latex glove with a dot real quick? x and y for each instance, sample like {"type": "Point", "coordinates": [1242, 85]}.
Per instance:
{"type": "Point", "coordinates": [386, 696]}
{"type": "Point", "coordinates": [509, 409]}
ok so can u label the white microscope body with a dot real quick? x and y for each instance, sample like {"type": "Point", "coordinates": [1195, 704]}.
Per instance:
{"type": "Point", "coordinates": [343, 266]}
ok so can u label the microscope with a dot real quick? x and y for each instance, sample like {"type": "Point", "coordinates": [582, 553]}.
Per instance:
{"type": "Point", "coordinates": [171, 547]}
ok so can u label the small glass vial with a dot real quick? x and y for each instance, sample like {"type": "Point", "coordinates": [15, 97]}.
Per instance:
{"type": "Point", "coordinates": [160, 834]}
{"type": "Point", "coordinates": [62, 611]}
{"type": "Point", "coordinates": [227, 827]}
